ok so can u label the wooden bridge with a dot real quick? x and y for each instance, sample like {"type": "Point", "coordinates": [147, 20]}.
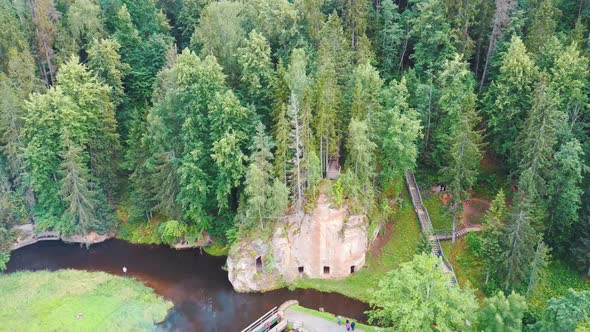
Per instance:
{"type": "Point", "coordinates": [426, 226]}
{"type": "Point", "coordinates": [272, 321]}
{"type": "Point", "coordinates": [276, 321]}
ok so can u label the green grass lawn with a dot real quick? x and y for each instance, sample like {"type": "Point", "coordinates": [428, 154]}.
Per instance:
{"type": "Point", "coordinates": [468, 268]}
{"type": "Point", "coordinates": [330, 317]}
{"type": "Point", "coordinates": [51, 301]}
{"type": "Point", "coordinates": [401, 247]}
{"type": "Point", "coordinates": [439, 214]}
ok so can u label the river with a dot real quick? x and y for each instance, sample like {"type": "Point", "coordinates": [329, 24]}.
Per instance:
{"type": "Point", "coordinates": [196, 283]}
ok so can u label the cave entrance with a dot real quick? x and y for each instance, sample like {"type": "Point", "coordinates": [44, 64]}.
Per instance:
{"type": "Point", "coordinates": [300, 269]}
{"type": "Point", "coordinates": [352, 269]}
{"type": "Point", "coordinates": [326, 270]}
{"type": "Point", "coordinates": [259, 263]}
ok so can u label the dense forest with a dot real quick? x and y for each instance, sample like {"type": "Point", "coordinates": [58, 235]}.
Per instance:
{"type": "Point", "coordinates": [219, 117]}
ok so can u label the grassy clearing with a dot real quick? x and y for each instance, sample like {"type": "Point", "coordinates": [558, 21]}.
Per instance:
{"type": "Point", "coordinates": [467, 266]}
{"type": "Point", "coordinates": [401, 247]}
{"type": "Point", "coordinates": [51, 301]}
{"type": "Point", "coordinates": [439, 214]}
{"type": "Point", "coordinates": [558, 278]}
{"type": "Point", "coordinates": [330, 317]}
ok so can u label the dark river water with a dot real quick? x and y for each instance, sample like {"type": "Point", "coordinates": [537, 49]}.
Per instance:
{"type": "Point", "coordinates": [196, 283]}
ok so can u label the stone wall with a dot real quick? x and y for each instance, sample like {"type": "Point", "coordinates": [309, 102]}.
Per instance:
{"type": "Point", "coordinates": [327, 244]}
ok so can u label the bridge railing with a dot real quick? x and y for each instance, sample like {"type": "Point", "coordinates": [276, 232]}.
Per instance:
{"type": "Point", "coordinates": [258, 325]}
{"type": "Point", "coordinates": [430, 230]}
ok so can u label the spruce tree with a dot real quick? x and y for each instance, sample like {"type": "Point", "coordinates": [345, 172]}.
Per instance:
{"type": "Point", "coordinates": [76, 191]}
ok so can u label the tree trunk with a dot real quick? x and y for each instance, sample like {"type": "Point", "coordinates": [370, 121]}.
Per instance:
{"type": "Point", "coordinates": [401, 60]}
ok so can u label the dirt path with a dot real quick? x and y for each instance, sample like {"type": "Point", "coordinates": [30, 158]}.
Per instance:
{"type": "Point", "coordinates": [316, 324]}
{"type": "Point", "coordinates": [473, 211]}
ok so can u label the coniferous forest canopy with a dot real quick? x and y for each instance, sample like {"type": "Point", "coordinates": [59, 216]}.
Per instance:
{"type": "Point", "coordinates": [220, 117]}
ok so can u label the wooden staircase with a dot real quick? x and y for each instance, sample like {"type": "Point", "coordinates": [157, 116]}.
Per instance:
{"type": "Point", "coordinates": [426, 226]}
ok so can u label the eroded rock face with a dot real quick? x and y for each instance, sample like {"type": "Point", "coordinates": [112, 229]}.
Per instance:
{"type": "Point", "coordinates": [327, 244]}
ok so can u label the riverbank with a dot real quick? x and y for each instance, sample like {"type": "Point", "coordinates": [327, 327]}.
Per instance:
{"type": "Point", "coordinates": [78, 301]}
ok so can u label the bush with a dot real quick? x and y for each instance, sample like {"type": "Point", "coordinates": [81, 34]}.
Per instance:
{"type": "Point", "coordinates": [337, 193]}
{"type": "Point", "coordinates": [474, 244]}
{"type": "Point", "coordinates": [171, 231]}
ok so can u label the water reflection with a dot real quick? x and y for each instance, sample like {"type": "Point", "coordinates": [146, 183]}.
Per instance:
{"type": "Point", "coordinates": [196, 283]}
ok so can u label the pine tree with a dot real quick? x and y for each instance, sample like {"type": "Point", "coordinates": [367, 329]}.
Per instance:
{"type": "Point", "coordinates": [360, 151]}
{"type": "Point", "coordinates": [434, 40]}
{"type": "Point", "coordinates": [518, 247]}
{"type": "Point", "coordinates": [220, 33]}
{"type": "Point", "coordinates": [503, 10]}
{"type": "Point", "coordinates": [538, 265]}
{"type": "Point", "coordinates": [456, 108]}
{"type": "Point", "coordinates": [494, 221]}
{"type": "Point", "coordinates": [355, 17]}
{"type": "Point", "coordinates": [296, 175]}
{"type": "Point", "coordinates": [570, 79]}
{"type": "Point", "coordinates": [389, 40]}
{"type": "Point", "coordinates": [327, 106]}
{"type": "Point", "coordinates": [45, 18]}
{"type": "Point", "coordinates": [15, 88]}
{"type": "Point", "coordinates": [104, 61]}
{"type": "Point", "coordinates": [366, 88]}
{"type": "Point", "coordinates": [537, 142]}
{"type": "Point", "coordinates": [79, 199]}
{"type": "Point", "coordinates": [264, 201]}
{"type": "Point", "coordinates": [509, 99]}
{"type": "Point", "coordinates": [398, 130]}
{"type": "Point", "coordinates": [581, 247]}
{"type": "Point", "coordinates": [230, 130]}
{"type": "Point", "coordinates": [463, 167]}
{"type": "Point", "coordinates": [84, 21]}
{"type": "Point", "coordinates": [314, 18]}
{"type": "Point", "coordinates": [97, 118]}
{"type": "Point", "coordinates": [565, 194]}
{"type": "Point", "coordinates": [281, 125]}
{"type": "Point", "coordinates": [543, 23]}
{"type": "Point", "coordinates": [256, 73]}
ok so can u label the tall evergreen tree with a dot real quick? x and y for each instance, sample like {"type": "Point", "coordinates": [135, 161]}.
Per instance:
{"type": "Point", "coordinates": [565, 194]}
{"type": "Point", "coordinates": [389, 39]}
{"type": "Point", "coordinates": [518, 247]}
{"type": "Point", "coordinates": [104, 61]}
{"type": "Point", "coordinates": [280, 128]}
{"type": "Point", "coordinates": [267, 197]}
{"type": "Point", "coordinates": [509, 99]}
{"type": "Point", "coordinates": [79, 199]}
{"type": "Point", "coordinates": [537, 142]}
{"type": "Point", "coordinates": [256, 73]}
{"type": "Point", "coordinates": [45, 18]}
{"type": "Point", "coordinates": [220, 33]}
{"type": "Point", "coordinates": [398, 130]}
{"type": "Point", "coordinates": [434, 40]}
{"type": "Point", "coordinates": [328, 108]}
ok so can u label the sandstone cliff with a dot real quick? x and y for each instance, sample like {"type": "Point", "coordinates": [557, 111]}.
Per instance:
{"type": "Point", "coordinates": [326, 244]}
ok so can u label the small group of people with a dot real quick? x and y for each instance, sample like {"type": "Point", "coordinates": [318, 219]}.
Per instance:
{"type": "Point", "coordinates": [349, 325]}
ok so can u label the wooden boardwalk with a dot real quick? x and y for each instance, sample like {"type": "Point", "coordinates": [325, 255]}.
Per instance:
{"type": "Point", "coordinates": [426, 226]}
